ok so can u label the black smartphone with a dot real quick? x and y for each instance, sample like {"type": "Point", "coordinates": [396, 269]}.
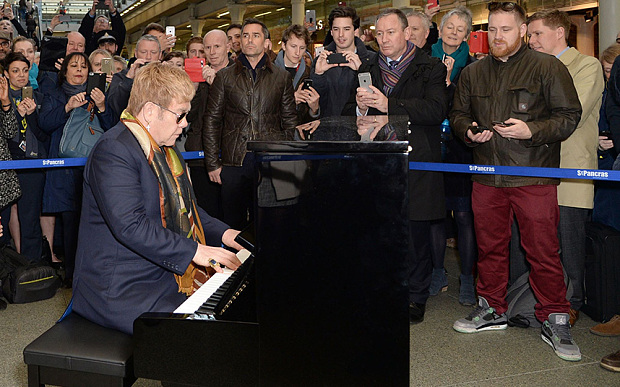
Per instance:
{"type": "Point", "coordinates": [336, 58]}
{"type": "Point", "coordinates": [477, 129]}
{"type": "Point", "coordinates": [101, 5]}
{"type": "Point", "coordinates": [307, 84]}
{"type": "Point", "coordinates": [607, 134]}
{"type": "Point", "coordinates": [501, 123]}
{"type": "Point", "coordinates": [95, 80]}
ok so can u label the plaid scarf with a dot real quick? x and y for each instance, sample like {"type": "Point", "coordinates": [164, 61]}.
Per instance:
{"type": "Point", "coordinates": [176, 198]}
{"type": "Point", "coordinates": [391, 76]}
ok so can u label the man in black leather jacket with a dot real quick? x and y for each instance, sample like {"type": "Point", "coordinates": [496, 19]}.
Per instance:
{"type": "Point", "coordinates": [247, 101]}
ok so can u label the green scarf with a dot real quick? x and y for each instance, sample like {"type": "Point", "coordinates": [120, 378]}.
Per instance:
{"type": "Point", "coordinates": [176, 198]}
{"type": "Point", "coordinates": [460, 57]}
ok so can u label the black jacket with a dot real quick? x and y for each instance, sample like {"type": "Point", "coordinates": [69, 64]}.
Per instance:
{"type": "Point", "coordinates": [420, 94]}
{"type": "Point", "coordinates": [117, 25]}
{"type": "Point", "coordinates": [336, 84]}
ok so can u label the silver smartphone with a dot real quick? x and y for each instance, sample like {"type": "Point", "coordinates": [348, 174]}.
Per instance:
{"type": "Point", "coordinates": [365, 81]}
{"type": "Point", "coordinates": [171, 30]}
{"type": "Point", "coordinates": [106, 66]}
{"type": "Point", "coordinates": [26, 92]}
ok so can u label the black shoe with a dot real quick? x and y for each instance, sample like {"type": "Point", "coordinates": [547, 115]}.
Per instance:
{"type": "Point", "coordinates": [416, 312]}
{"type": "Point", "coordinates": [2, 304]}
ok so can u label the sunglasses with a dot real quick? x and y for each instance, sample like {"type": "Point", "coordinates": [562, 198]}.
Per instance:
{"type": "Point", "coordinates": [179, 116]}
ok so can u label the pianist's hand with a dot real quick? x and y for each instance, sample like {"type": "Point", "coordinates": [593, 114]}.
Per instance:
{"type": "Point", "coordinates": [204, 254]}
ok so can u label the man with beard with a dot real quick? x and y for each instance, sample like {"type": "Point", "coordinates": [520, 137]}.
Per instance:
{"type": "Point", "coordinates": [529, 104]}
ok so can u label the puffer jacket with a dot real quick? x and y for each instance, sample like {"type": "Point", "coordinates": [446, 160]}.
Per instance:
{"type": "Point", "coordinates": [531, 86]}
{"type": "Point", "coordinates": [241, 109]}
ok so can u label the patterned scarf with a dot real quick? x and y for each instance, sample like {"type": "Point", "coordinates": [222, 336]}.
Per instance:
{"type": "Point", "coordinates": [391, 76]}
{"type": "Point", "coordinates": [176, 198]}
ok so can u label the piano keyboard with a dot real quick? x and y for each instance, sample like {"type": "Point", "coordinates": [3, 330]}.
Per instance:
{"type": "Point", "coordinates": [202, 295]}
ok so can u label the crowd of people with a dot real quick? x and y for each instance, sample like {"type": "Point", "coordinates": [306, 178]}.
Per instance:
{"type": "Point", "coordinates": [537, 104]}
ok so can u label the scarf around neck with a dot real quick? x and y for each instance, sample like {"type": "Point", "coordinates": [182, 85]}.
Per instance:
{"type": "Point", "coordinates": [390, 76]}
{"type": "Point", "coordinates": [71, 90]}
{"type": "Point", "coordinates": [179, 213]}
{"type": "Point", "coordinates": [460, 57]}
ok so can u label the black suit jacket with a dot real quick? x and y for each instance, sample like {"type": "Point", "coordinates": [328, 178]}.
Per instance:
{"type": "Point", "coordinates": [421, 94]}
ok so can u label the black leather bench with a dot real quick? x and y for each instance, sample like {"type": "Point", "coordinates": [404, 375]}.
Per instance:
{"type": "Point", "coordinates": [77, 352]}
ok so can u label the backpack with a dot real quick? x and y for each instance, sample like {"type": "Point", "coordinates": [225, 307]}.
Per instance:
{"type": "Point", "coordinates": [23, 281]}
{"type": "Point", "coordinates": [521, 302]}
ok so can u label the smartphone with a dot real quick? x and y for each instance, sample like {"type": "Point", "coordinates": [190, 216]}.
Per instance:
{"type": "Point", "coordinates": [107, 66]}
{"type": "Point", "coordinates": [477, 129]}
{"type": "Point", "coordinates": [101, 5]}
{"type": "Point", "coordinates": [336, 58]}
{"type": "Point", "coordinates": [432, 3]}
{"type": "Point", "coordinates": [170, 30]}
{"type": "Point", "coordinates": [365, 81]}
{"type": "Point", "coordinates": [607, 134]}
{"type": "Point", "coordinates": [95, 80]}
{"type": "Point", "coordinates": [501, 123]}
{"type": "Point", "coordinates": [307, 84]}
{"type": "Point", "coordinates": [318, 51]}
{"type": "Point", "coordinates": [26, 92]}
{"type": "Point", "coordinates": [311, 20]}
{"type": "Point", "coordinates": [64, 18]}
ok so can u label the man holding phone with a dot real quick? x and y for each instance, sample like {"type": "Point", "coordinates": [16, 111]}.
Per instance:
{"type": "Point", "coordinates": [535, 95]}
{"type": "Point", "coordinates": [407, 81]}
{"type": "Point", "coordinates": [94, 26]}
{"type": "Point", "coordinates": [147, 51]}
{"type": "Point", "coordinates": [336, 78]}
{"type": "Point", "coordinates": [295, 40]}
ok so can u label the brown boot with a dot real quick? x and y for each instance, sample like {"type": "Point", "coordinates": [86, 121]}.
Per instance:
{"type": "Point", "coordinates": [573, 316]}
{"type": "Point", "coordinates": [611, 362]}
{"type": "Point", "coordinates": [610, 328]}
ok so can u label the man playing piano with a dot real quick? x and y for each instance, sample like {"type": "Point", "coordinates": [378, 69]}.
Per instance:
{"type": "Point", "coordinates": [144, 245]}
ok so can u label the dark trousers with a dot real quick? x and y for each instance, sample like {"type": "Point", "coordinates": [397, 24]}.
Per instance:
{"type": "Point", "coordinates": [237, 187]}
{"type": "Point", "coordinates": [5, 215]}
{"type": "Point", "coordinates": [572, 235]}
{"type": "Point", "coordinates": [420, 261]}
{"type": "Point", "coordinates": [29, 205]}
{"type": "Point", "coordinates": [208, 193]}
{"type": "Point", "coordinates": [536, 209]}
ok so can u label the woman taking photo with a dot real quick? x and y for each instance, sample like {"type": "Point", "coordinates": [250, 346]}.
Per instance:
{"type": "Point", "coordinates": [28, 143]}
{"type": "Point", "coordinates": [63, 186]}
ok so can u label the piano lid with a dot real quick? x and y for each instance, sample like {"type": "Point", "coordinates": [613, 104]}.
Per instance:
{"type": "Point", "coordinates": [338, 134]}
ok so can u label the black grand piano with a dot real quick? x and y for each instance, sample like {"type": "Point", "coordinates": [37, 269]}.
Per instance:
{"type": "Point", "coordinates": [323, 299]}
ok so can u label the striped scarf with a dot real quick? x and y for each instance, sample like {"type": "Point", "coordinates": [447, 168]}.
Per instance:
{"type": "Point", "coordinates": [391, 76]}
{"type": "Point", "coordinates": [176, 197]}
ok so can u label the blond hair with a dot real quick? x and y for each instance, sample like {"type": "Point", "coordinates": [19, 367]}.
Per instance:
{"type": "Point", "coordinates": [160, 84]}
{"type": "Point", "coordinates": [610, 53]}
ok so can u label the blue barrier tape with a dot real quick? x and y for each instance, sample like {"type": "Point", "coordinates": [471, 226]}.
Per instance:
{"type": "Point", "coordinates": [563, 173]}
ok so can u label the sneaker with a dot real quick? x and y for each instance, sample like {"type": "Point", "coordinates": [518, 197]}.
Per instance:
{"type": "Point", "coordinates": [556, 332]}
{"type": "Point", "coordinates": [482, 318]}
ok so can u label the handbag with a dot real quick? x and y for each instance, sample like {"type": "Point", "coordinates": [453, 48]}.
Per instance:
{"type": "Point", "coordinates": [80, 133]}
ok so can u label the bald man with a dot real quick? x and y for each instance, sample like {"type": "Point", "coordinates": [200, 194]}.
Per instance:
{"type": "Point", "coordinates": [75, 42]}
{"type": "Point", "coordinates": [217, 47]}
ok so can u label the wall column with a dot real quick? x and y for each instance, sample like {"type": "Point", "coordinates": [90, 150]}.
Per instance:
{"type": "Point", "coordinates": [197, 26]}
{"type": "Point", "coordinates": [298, 12]}
{"type": "Point", "coordinates": [236, 13]}
{"type": "Point", "coordinates": [608, 22]}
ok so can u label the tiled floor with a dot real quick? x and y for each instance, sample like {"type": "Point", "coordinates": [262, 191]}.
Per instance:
{"type": "Point", "coordinates": [439, 355]}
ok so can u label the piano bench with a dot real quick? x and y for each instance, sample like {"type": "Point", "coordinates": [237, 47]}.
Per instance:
{"type": "Point", "coordinates": [77, 352]}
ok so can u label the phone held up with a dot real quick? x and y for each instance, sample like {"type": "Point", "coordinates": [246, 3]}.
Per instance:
{"type": "Point", "coordinates": [365, 81]}
{"type": "Point", "coordinates": [95, 80]}
{"type": "Point", "coordinates": [432, 3]}
{"type": "Point", "coordinates": [106, 66]}
{"type": "Point", "coordinates": [336, 58]}
{"type": "Point", "coordinates": [26, 92]}
{"type": "Point", "coordinates": [170, 30]}
{"type": "Point", "coordinates": [307, 84]}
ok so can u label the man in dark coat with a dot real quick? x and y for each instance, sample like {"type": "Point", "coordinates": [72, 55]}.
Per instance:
{"type": "Point", "coordinates": [406, 81]}
{"type": "Point", "coordinates": [92, 25]}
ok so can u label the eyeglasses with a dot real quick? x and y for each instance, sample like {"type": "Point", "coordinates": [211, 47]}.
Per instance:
{"type": "Point", "coordinates": [179, 116]}
{"type": "Point", "coordinates": [5, 44]}
{"type": "Point", "coordinates": [618, 40]}
{"type": "Point", "coordinates": [506, 6]}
